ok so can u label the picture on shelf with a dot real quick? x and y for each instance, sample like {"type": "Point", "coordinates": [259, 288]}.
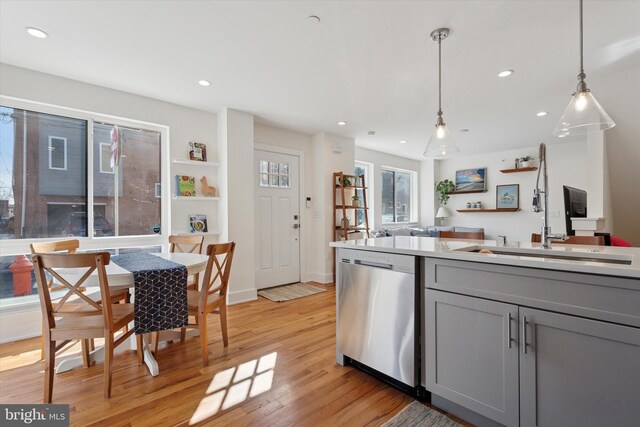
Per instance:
{"type": "Point", "coordinates": [507, 196]}
{"type": "Point", "coordinates": [471, 179]}
{"type": "Point", "coordinates": [197, 151]}
{"type": "Point", "coordinates": [185, 186]}
{"type": "Point", "coordinates": [198, 223]}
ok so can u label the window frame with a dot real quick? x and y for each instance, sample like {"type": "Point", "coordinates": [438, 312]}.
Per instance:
{"type": "Point", "coordinates": [50, 150]}
{"type": "Point", "coordinates": [413, 213]}
{"type": "Point", "coordinates": [21, 246]}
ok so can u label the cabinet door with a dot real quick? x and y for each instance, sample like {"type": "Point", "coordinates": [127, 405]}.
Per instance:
{"type": "Point", "coordinates": [578, 372]}
{"type": "Point", "coordinates": [472, 354]}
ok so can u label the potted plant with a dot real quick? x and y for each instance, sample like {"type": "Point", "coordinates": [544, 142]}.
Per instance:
{"type": "Point", "coordinates": [355, 201]}
{"type": "Point", "coordinates": [346, 181]}
{"type": "Point", "coordinates": [444, 188]}
{"type": "Point", "coordinates": [525, 162]}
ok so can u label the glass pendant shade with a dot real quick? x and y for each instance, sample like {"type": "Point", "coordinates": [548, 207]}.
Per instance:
{"type": "Point", "coordinates": [583, 115]}
{"type": "Point", "coordinates": [441, 144]}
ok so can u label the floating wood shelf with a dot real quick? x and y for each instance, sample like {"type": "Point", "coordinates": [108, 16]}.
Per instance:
{"type": "Point", "coordinates": [468, 192]}
{"type": "Point", "coordinates": [489, 210]}
{"type": "Point", "coordinates": [519, 170]}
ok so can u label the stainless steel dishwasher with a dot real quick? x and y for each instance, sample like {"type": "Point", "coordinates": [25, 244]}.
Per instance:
{"type": "Point", "coordinates": [377, 302]}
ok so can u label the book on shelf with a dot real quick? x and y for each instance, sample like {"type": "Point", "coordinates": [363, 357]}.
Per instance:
{"type": "Point", "coordinates": [185, 186]}
{"type": "Point", "coordinates": [198, 223]}
{"type": "Point", "coordinates": [197, 151]}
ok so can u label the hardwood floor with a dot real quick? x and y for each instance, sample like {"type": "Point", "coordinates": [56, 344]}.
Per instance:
{"type": "Point", "coordinates": [279, 369]}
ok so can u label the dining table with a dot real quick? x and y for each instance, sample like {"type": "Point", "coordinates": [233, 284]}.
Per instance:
{"type": "Point", "coordinates": [121, 278]}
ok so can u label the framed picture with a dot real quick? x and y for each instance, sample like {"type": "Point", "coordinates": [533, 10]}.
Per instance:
{"type": "Point", "coordinates": [197, 151]}
{"type": "Point", "coordinates": [471, 179]}
{"type": "Point", "coordinates": [508, 196]}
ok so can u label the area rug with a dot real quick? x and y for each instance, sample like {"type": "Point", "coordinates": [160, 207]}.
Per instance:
{"type": "Point", "coordinates": [289, 292]}
{"type": "Point", "coordinates": [418, 415]}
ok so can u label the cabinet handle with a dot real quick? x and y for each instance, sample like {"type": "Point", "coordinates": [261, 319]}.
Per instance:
{"type": "Point", "coordinates": [524, 334]}
{"type": "Point", "coordinates": [509, 329]}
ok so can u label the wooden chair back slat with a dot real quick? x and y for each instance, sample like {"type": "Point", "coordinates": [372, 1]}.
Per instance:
{"type": "Point", "coordinates": [479, 235]}
{"type": "Point", "coordinates": [573, 240]}
{"type": "Point", "coordinates": [186, 244]}
{"type": "Point", "coordinates": [70, 246]}
{"type": "Point", "coordinates": [217, 272]}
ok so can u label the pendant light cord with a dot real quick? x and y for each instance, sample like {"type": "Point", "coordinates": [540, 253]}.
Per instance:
{"type": "Point", "coordinates": [581, 43]}
{"type": "Point", "coordinates": [439, 76]}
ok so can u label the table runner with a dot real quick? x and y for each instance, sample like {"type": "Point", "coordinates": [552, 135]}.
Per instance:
{"type": "Point", "coordinates": [160, 292]}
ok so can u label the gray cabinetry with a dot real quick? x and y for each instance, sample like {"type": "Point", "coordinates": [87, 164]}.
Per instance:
{"type": "Point", "coordinates": [578, 372]}
{"type": "Point", "coordinates": [472, 354]}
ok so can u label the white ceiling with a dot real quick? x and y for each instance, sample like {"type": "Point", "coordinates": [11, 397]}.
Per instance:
{"type": "Point", "coordinates": [370, 63]}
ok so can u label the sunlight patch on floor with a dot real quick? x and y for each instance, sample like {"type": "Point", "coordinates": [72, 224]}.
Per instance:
{"type": "Point", "coordinates": [234, 385]}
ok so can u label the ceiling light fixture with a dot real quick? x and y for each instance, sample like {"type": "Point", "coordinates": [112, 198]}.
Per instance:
{"type": "Point", "coordinates": [313, 19]}
{"type": "Point", "coordinates": [403, 142]}
{"type": "Point", "coordinates": [505, 73]}
{"type": "Point", "coordinates": [204, 83]}
{"type": "Point", "coordinates": [342, 123]}
{"type": "Point", "coordinates": [464, 130]}
{"type": "Point", "coordinates": [371, 132]}
{"type": "Point", "coordinates": [542, 113]}
{"type": "Point", "coordinates": [35, 32]}
{"type": "Point", "coordinates": [441, 144]}
{"type": "Point", "coordinates": [584, 113]}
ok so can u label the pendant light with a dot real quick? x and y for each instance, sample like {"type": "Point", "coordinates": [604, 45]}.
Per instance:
{"type": "Point", "coordinates": [441, 143]}
{"type": "Point", "coordinates": [584, 113]}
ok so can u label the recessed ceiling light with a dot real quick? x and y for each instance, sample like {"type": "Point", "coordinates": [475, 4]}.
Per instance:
{"type": "Point", "coordinates": [562, 135]}
{"type": "Point", "coordinates": [313, 19]}
{"type": "Point", "coordinates": [403, 142]}
{"type": "Point", "coordinates": [204, 83]}
{"type": "Point", "coordinates": [342, 123]}
{"type": "Point", "coordinates": [505, 73]}
{"type": "Point", "coordinates": [36, 32]}
{"type": "Point", "coordinates": [464, 130]}
{"type": "Point", "coordinates": [371, 132]}
{"type": "Point", "coordinates": [542, 113]}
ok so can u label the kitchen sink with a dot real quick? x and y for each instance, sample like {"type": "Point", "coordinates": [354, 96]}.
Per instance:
{"type": "Point", "coordinates": [568, 254]}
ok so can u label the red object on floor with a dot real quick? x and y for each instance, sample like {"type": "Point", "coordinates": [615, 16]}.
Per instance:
{"type": "Point", "coordinates": [616, 241]}
{"type": "Point", "coordinates": [21, 268]}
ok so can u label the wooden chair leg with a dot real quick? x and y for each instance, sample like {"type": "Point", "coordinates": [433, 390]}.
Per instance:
{"type": "Point", "coordinates": [49, 366]}
{"type": "Point", "coordinates": [183, 334]}
{"type": "Point", "coordinates": [202, 327]}
{"type": "Point", "coordinates": [42, 344]}
{"type": "Point", "coordinates": [223, 324]}
{"type": "Point", "coordinates": [139, 346]}
{"type": "Point", "coordinates": [108, 363]}
{"type": "Point", "coordinates": [86, 360]}
{"type": "Point", "coordinates": [156, 341]}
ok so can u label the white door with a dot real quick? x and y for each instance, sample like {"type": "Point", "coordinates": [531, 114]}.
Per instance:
{"type": "Point", "coordinates": [277, 219]}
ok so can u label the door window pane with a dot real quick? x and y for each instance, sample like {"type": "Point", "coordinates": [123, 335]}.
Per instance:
{"type": "Point", "coordinates": [43, 183]}
{"type": "Point", "coordinates": [136, 209]}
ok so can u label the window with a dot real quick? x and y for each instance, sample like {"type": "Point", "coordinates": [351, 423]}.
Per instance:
{"type": "Point", "coordinates": [362, 168]}
{"type": "Point", "coordinates": [273, 174]}
{"type": "Point", "coordinates": [57, 153]}
{"type": "Point", "coordinates": [56, 181]}
{"type": "Point", "coordinates": [396, 196]}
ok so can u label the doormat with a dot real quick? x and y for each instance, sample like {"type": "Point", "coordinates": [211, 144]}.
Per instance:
{"type": "Point", "coordinates": [289, 292]}
{"type": "Point", "coordinates": [418, 415]}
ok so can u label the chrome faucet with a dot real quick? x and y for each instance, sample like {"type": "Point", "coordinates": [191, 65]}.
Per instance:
{"type": "Point", "coordinates": [537, 206]}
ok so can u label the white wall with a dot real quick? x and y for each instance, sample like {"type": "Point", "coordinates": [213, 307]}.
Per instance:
{"type": "Point", "coordinates": [287, 139]}
{"type": "Point", "coordinates": [380, 160]}
{"type": "Point", "coordinates": [567, 165]}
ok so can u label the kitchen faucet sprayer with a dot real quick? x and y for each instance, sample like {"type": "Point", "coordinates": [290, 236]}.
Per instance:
{"type": "Point", "coordinates": [543, 205]}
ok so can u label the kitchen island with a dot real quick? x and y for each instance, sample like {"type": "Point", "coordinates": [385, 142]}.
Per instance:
{"type": "Point", "coordinates": [520, 336]}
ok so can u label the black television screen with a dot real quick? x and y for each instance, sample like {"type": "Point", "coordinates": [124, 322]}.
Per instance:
{"type": "Point", "coordinates": [575, 206]}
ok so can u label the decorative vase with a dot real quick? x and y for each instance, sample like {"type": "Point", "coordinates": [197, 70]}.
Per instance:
{"type": "Point", "coordinates": [525, 164]}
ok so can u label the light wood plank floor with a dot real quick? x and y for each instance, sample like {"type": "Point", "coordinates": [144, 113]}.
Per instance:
{"type": "Point", "coordinates": [278, 370]}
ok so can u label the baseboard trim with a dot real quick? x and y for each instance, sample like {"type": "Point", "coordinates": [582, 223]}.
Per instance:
{"type": "Point", "coordinates": [242, 296]}
{"type": "Point", "coordinates": [323, 278]}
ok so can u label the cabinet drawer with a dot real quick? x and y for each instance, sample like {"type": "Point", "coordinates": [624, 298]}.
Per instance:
{"type": "Point", "coordinates": [611, 299]}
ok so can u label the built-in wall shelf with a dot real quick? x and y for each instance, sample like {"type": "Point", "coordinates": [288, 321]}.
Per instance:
{"type": "Point", "coordinates": [519, 170]}
{"type": "Point", "coordinates": [194, 198]}
{"type": "Point", "coordinates": [488, 210]}
{"type": "Point", "coordinates": [467, 192]}
{"type": "Point", "coordinates": [195, 163]}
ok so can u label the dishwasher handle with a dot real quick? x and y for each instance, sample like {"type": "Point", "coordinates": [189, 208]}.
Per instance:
{"type": "Point", "coordinates": [373, 264]}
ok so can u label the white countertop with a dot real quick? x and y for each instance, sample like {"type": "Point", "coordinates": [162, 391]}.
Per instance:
{"type": "Point", "coordinates": [522, 254]}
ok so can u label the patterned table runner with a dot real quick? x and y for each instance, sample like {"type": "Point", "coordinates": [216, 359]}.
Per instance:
{"type": "Point", "coordinates": [160, 292]}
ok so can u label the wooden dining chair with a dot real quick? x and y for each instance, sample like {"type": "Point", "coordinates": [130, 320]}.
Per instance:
{"type": "Point", "coordinates": [212, 296]}
{"type": "Point", "coordinates": [188, 245]}
{"type": "Point", "coordinates": [75, 315]}
{"type": "Point", "coordinates": [71, 246]}
{"type": "Point", "coordinates": [461, 235]}
{"type": "Point", "coordinates": [573, 240]}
